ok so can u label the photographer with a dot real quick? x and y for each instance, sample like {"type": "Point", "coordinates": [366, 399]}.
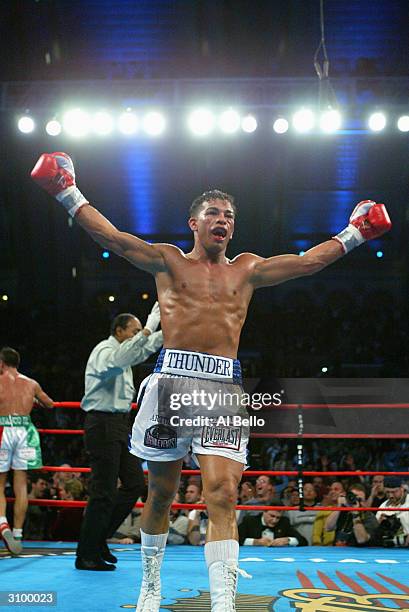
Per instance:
{"type": "Point", "coordinates": [354, 528]}
{"type": "Point", "coordinates": [393, 525]}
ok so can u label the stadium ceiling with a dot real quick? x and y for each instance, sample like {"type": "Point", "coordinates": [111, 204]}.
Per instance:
{"type": "Point", "coordinates": [257, 93]}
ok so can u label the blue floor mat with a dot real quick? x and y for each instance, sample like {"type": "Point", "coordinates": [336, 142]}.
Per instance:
{"type": "Point", "coordinates": [283, 579]}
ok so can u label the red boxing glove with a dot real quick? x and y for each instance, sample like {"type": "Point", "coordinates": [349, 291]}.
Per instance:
{"type": "Point", "coordinates": [55, 173]}
{"type": "Point", "coordinates": [368, 220]}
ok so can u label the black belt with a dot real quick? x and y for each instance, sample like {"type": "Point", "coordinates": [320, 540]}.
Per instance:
{"type": "Point", "coordinates": [106, 413]}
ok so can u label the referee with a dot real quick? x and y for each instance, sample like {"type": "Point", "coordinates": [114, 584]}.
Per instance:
{"type": "Point", "coordinates": [109, 391]}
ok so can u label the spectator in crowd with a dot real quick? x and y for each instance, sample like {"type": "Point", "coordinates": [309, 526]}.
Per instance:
{"type": "Point", "coordinates": [287, 495]}
{"type": "Point", "coordinates": [59, 478]}
{"type": "Point", "coordinates": [193, 493]}
{"type": "Point", "coordinates": [247, 491]}
{"type": "Point", "coordinates": [178, 524]}
{"type": "Point", "coordinates": [269, 528]}
{"type": "Point", "coordinates": [393, 524]}
{"type": "Point", "coordinates": [129, 531]}
{"type": "Point", "coordinates": [37, 518]}
{"type": "Point", "coordinates": [352, 528]}
{"type": "Point", "coordinates": [294, 498]}
{"type": "Point", "coordinates": [320, 487]}
{"type": "Point", "coordinates": [377, 495]}
{"type": "Point", "coordinates": [303, 520]}
{"type": "Point", "coordinates": [321, 536]}
{"type": "Point", "coordinates": [67, 524]}
{"type": "Point", "coordinates": [265, 496]}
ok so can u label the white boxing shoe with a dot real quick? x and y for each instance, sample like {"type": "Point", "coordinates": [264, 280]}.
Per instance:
{"type": "Point", "coordinates": [13, 544]}
{"type": "Point", "coordinates": [223, 584]}
{"type": "Point", "coordinates": [150, 595]}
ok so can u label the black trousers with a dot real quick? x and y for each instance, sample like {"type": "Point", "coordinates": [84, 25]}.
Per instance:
{"type": "Point", "coordinates": [106, 440]}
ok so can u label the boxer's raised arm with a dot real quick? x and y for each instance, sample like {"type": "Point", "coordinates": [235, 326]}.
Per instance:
{"type": "Point", "coordinates": [55, 173]}
{"type": "Point", "coordinates": [281, 268]}
{"type": "Point", "coordinates": [141, 254]}
{"type": "Point", "coordinates": [368, 220]}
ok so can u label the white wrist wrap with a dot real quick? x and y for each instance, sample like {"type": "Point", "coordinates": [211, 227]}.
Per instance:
{"type": "Point", "coordinates": [72, 200]}
{"type": "Point", "coordinates": [350, 237]}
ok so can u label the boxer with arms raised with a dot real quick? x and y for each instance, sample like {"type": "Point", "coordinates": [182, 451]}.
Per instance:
{"type": "Point", "coordinates": [203, 299]}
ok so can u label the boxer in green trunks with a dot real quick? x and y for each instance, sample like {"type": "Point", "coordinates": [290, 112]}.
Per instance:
{"type": "Point", "coordinates": [19, 440]}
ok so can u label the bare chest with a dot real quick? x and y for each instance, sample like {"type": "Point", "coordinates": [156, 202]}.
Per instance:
{"type": "Point", "coordinates": [211, 284]}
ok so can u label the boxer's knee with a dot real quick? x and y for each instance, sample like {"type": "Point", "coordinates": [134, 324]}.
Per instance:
{"type": "Point", "coordinates": [221, 492]}
{"type": "Point", "coordinates": [161, 495]}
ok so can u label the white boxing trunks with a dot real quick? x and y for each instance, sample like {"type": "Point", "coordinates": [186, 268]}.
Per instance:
{"type": "Point", "coordinates": [192, 400]}
{"type": "Point", "coordinates": [19, 444]}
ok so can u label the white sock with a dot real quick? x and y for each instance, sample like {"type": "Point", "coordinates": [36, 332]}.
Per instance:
{"type": "Point", "coordinates": [221, 550]}
{"type": "Point", "coordinates": [3, 519]}
{"type": "Point", "coordinates": [153, 543]}
{"type": "Point", "coordinates": [17, 533]}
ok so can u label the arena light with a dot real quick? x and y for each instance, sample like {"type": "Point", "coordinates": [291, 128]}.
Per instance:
{"type": "Point", "coordinates": [102, 123]}
{"type": "Point", "coordinates": [301, 253]}
{"type": "Point", "coordinates": [249, 124]}
{"type": "Point", "coordinates": [303, 120]}
{"type": "Point", "coordinates": [324, 369]}
{"type": "Point", "coordinates": [145, 296]}
{"type": "Point", "coordinates": [330, 121]}
{"type": "Point", "coordinates": [201, 121]}
{"type": "Point", "coordinates": [377, 122]}
{"type": "Point", "coordinates": [26, 124]}
{"type": "Point", "coordinates": [128, 123]}
{"type": "Point", "coordinates": [105, 254]}
{"type": "Point", "coordinates": [379, 254]}
{"type": "Point", "coordinates": [53, 127]}
{"type": "Point", "coordinates": [5, 297]}
{"type": "Point", "coordinates": [154, 123]}
{"type": "Point", "coordinates": [229, 121]}
{"type": "Point", "coordinates": [76, 123]}
{"type": "Point", "coordinates": [111, 298]}
{"type": "Point", "coordinates": [403, 123]}
{"type": "Point", "coordinates": [280, 125]}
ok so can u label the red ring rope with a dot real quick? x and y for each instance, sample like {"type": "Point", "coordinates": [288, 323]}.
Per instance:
{"type": "Point", "coordinates": [82, 504]}
{"type": "Point", "coordinates": [252, 472]}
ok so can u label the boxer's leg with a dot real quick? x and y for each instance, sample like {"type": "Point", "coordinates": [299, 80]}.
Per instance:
{"type": "Point", "coordinates": [221, 477]}
{"type": "Point", "coordinates": [12, 544]}
{"type": "Point", "coordinates": [21, 501]}
{"type": "Point", "coordinates": [163, 483]}
{"type": "Point", "coordinates": [3, 502]}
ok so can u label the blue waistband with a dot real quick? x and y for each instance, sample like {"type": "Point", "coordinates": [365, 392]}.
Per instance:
{"type": "Point", "coordinates": [198, 365]}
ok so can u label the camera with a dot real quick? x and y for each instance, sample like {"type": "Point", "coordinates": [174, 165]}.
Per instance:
{"type": "Point", "coordinates": [388, 530]}
{"type": "Point", "coordinates": [351, 498]}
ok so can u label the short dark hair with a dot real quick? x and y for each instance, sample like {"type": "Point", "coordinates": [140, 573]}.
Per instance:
{"type": "Point", "coordinates": [208, 196]}
{"type": "Point", "coordinates": [121, 320]}
{"type": "Point", "coordinates": [36, 476]}
{"type": "Point", "coordinates": [10, 356]}
{"type": "Point", "coordinates": [358, 487]}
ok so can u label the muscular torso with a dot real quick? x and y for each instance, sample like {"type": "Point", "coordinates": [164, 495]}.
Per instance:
{"type": "Point", "coordinates": [17, 393]}
{"type": "Point", "coordinates": [203, 304]}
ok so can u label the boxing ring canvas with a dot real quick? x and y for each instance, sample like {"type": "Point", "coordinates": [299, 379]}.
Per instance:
{"type": "Point", "coordinates": [313, 579]}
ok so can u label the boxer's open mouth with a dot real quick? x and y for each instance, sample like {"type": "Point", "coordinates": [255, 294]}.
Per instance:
{"type": "Point", "coordinates": [219, 231]}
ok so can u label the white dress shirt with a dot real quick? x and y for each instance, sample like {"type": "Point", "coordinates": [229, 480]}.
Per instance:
{"type": "Point", "coordinates": [108, 375]}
